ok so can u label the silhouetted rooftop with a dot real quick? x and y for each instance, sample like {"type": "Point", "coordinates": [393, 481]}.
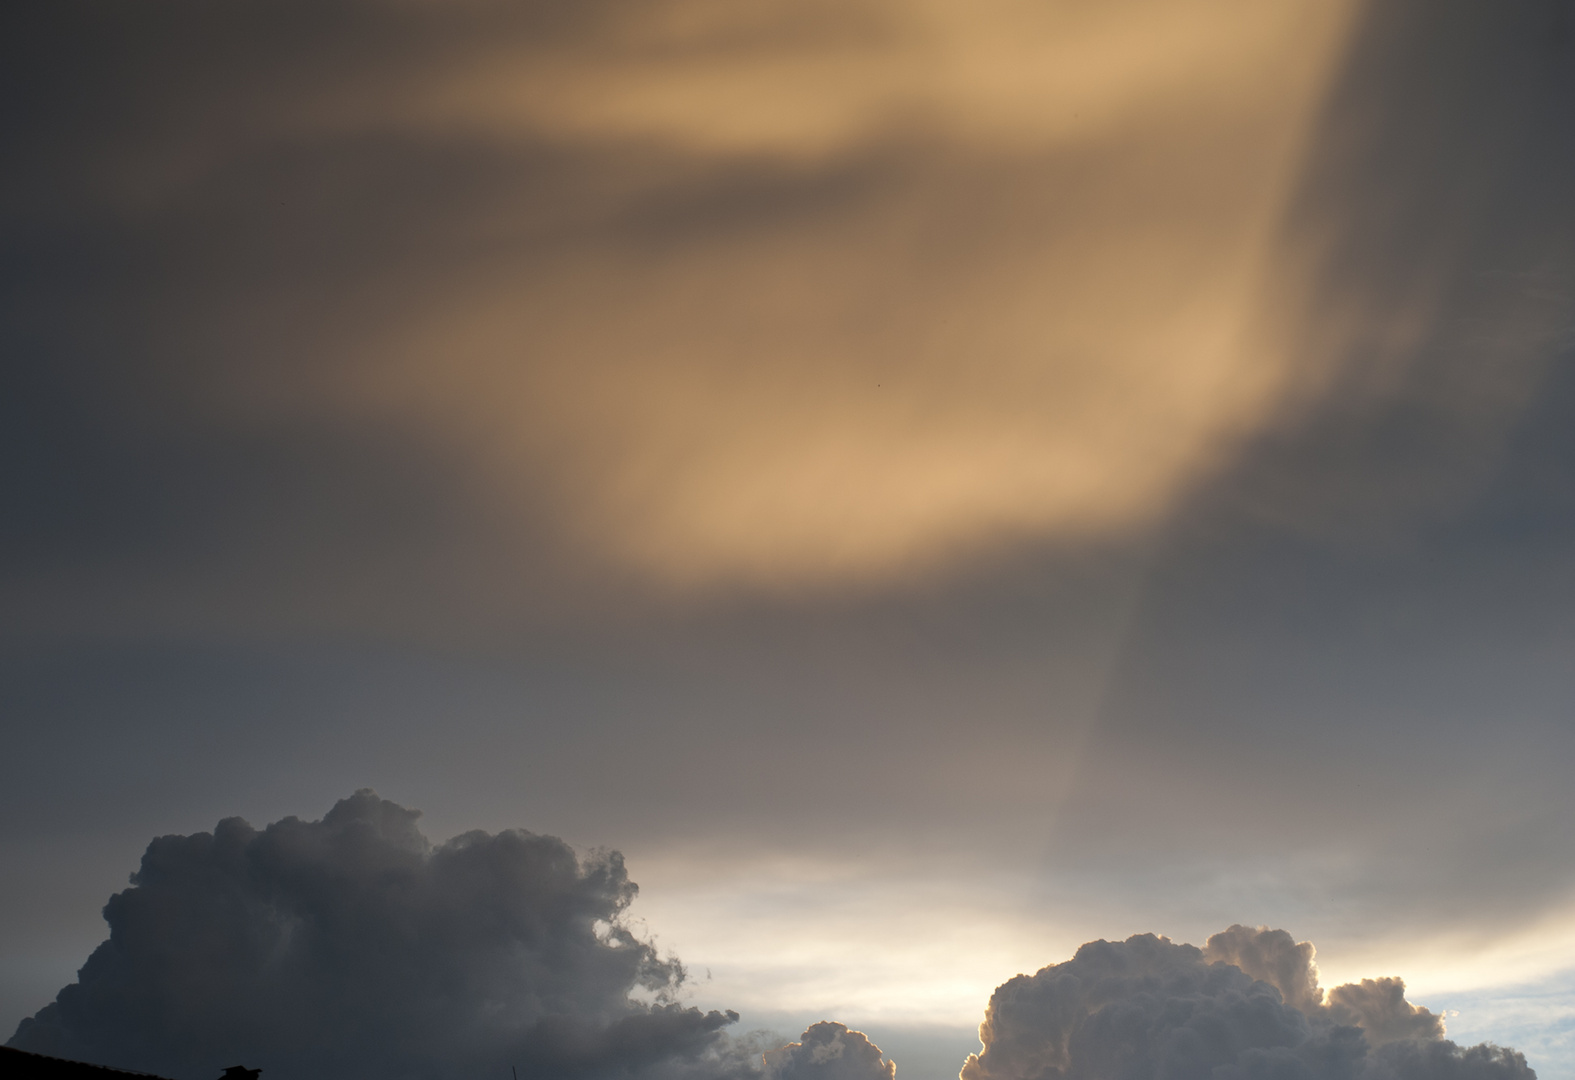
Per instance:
{"type": "Point", "coordinates": [21, 1065]}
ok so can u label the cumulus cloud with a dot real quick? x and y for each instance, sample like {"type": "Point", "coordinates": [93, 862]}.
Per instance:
{"type": "Point", "coordinates": [1271, 956]}
{"type": "Point", "coordinates": [1377, 1006]}
{"type": "Point", "coordinates": [351, 947]}
{"type": "Point", "coordinates": [1247, 1005]}
{"type": "Point", "coordinates": [829, 1051]}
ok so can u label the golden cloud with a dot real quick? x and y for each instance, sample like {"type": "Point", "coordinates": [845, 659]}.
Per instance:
{"type": "Point", "coordinates": [848, 291]}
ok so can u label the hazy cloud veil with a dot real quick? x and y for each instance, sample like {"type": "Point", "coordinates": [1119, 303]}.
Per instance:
{"type": "Point", "coordinates": [351, 947]}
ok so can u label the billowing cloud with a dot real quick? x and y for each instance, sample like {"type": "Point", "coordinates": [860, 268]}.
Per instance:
{"type": "Point", "coordinates": [1247, 1005]}
{"type": "Point", "coordinates": [829, 1051]}
{"type": "Point", "coordinates": [350, 947]}
{"type": "Point", "coordinates": [1377, 1006]}
{"type": "Point", "coordinates": [1271, 956]}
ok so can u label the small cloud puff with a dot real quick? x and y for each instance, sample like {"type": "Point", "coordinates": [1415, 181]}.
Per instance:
{"type": "Point", "coordinates": [829, 1051]}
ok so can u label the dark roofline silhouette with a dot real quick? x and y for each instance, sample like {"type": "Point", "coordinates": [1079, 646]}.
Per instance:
{"type": "Point", "coordinates": [23, 1065]}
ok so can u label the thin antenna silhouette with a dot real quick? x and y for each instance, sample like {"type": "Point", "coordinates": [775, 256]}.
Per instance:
{"type": "Point", "coordinates": [515, 1071]}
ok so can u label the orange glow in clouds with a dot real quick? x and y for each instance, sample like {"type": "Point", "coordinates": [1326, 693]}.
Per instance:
{"type": "Point", "coordinates": [843, 291]}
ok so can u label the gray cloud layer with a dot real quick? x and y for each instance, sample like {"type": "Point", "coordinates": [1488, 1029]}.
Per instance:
{"type": "Point", "coordinates": [1247, 1005]}
{"type": "Point", "coordinates": [350, 947]}
{"type": "Point", "coordinates": [192, 197]}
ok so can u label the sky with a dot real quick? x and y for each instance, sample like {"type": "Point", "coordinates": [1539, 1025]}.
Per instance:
{"type": "Point", "coordinates": [931, 485]}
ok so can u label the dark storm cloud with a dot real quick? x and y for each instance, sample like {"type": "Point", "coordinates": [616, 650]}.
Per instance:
{"type": "Point", "coordinates": [351, 947]}
{"type": "Point", "coordinates": [1150, 1008]}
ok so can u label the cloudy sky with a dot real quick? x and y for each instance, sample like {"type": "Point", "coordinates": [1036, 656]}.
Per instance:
{"type": "Point", "coordinates": [931, 484]}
